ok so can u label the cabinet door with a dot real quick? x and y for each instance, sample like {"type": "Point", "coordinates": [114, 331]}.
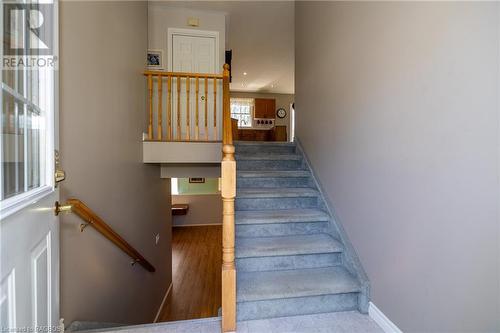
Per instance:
{"type": "Point", "coordinates": [270, 108]}
{"type": "Point", "coordinates": [260, 108]}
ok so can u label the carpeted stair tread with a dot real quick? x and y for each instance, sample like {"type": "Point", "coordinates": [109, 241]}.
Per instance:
{"type": "Point", "coordinates": [290, 192]}
{"type": "Point", "coordinates": [274, 174]}
{"type": "Point", "coordinates": [264, 143]}
{"type": "Point", "coordinates": [258, 286]}
{"type": "Point", "coordinates": [281, 216]}
{"type": "Point", "coordinates": [286, 246]}
{"type": "Point", "coordinates": [267, 157]}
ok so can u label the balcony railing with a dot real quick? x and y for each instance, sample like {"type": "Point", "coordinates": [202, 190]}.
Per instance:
{"type": "Point", "coordinates": [185, 106]}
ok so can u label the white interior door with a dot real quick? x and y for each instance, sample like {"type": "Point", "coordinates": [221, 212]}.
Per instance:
{"type": "Point", "coordinates": [196, 53]}
{"type": "Point", "coordinates": [193, 54]}
{"type": "Point", "coordinates": [29, 232]}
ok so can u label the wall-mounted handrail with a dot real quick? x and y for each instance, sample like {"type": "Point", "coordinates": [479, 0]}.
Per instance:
{"type": "Point", "coordinates": [228, 193]}
{"type": "Point", "coordinates": [178, 97]}
{"type": "Point", "coordinates": [85, 213]}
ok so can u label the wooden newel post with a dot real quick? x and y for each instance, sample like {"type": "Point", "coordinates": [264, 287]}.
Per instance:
{"type": "Point", "coordinates": [227, 136]}
{"type": "Point", "coordinates": [228, 191]}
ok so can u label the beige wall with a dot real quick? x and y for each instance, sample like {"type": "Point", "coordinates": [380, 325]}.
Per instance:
{"type": "Point", "coordinates": [203, 209]}
{"type": "Point", "coordinates": [397, 109]}
{"type": "Point", "coordinates": [163, 16]}
{"type": "Point", "coordinates": [102, 100]}
{"type": "Point", "coordinates": [282, 101]}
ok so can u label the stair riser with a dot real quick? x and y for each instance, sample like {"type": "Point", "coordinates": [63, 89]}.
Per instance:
{"type": "Point", "coordinates": [280, 263]}
{"type": "Point", "coordinates": [281, 229]}
{"type": "Point", "coordinates": [274, 182]}
{"type": "Point", "coordinates": [275, 203]}
{"type": "Point", "coordinates": [297, 306]}
{"type": "Point", "coordinates": [263, 149]}
{"type": "Point", "coordinates": [269, 165]}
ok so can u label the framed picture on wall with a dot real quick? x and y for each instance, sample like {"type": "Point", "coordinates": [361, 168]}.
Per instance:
{"type": "Point", "coordinates": [155, 59]}
{"type": "Point", "coordinates": [197, 180]}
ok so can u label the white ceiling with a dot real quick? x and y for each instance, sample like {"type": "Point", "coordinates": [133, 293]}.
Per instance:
{"type": "Point", "coordinates": [261, 35]}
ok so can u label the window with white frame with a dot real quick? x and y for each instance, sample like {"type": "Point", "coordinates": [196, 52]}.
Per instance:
{"type": "Point", "coordinates": [242, 109]}
{"type": "Point", "coordinates": [26, 142]}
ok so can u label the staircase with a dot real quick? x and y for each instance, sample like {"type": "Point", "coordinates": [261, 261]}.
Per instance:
{"type": "Point", "coordinates": [291, 256]}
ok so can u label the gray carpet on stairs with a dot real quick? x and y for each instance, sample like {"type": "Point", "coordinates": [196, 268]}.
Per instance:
{"type": "Point", "coordinates": [289, 256]}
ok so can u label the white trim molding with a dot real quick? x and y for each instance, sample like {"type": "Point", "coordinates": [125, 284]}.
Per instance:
{"type": "Point", "coordinates": [380, 318]}
{"type": "Point", "coordinates": [163, 303]}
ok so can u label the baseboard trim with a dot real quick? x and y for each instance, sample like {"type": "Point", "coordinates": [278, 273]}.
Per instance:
{"type": "Point", "coordinates": [381, 319]}
{"type": "Point", "coordinates": [160, 309]}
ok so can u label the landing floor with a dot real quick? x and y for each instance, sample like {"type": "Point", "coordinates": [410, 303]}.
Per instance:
{"type": "Point", "coordinates": [339, 322]}
{"type": "Point", "coordinates": [196, 273]}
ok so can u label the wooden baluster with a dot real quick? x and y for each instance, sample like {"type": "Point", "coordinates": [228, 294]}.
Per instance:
{"type": "Point", "coordinates": [215, 109]}
{"type": "Point", "coordinates": [228, 192]}
{"type": "Point", "coordinates": [160, 108]}
{"type": "Point", "coordinates": [179, 135]}
{"type": "Point", "coordinates": [197, 129]}
{"type": "Point", "coordinates": [150, 89]}
{"type": "Point", "coordinates": [169, 110]}
{"type": "Point", "coordinates": [188, 116]}
{"type": "Point", "coordinates": [206, 109]}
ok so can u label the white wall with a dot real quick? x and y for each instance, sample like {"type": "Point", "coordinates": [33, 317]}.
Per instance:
{"type": "Point", "coordinates": [102, 96]}
{"type": "Point", "coordinates": [203, 209]}
{"type": "Point", "coordinates": [161, 16]}
{"type": "Point", "coordinates": [397, 109]}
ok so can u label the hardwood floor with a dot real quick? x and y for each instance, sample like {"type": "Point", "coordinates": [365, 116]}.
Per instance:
{"type": "Point", "coordinates": [196, 273]}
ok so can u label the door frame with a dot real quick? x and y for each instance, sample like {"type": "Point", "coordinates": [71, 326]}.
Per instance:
{"type": "Point", "coordinates": [171, 32]}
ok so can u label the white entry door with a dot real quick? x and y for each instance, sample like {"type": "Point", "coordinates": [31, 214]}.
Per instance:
{"type": "Point", "coordinates": [29, 230]}
{"type": "Point", "coordinates": [195, 51]}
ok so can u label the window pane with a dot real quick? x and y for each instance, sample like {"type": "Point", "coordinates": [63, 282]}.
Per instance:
{"type": "Point", "coordinates": [33, 92]}
{"type": "Point", "coordinates": [13, 78]}
{"type": "Point", "coordinates": [26, 97]}
{"type": "Point", "coordinates": [33, 150]}
{"type": "Point", "coordinates": [242, 109]}
{"type": "Point", "coordinates": [12, 147]}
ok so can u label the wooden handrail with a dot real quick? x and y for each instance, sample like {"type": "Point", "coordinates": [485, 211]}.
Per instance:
{"type": "Point", "coordinates": [228, 193]}
{"type": "Point", "coordinates": [86, 214]}
{"type": "Point", "coordinates": [183, 74]}
{"type": "Point", "coordinates": [162, 113]}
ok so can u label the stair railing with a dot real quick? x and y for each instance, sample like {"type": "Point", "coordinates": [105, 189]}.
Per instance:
{"type": "Point", "coordinates": [228, 193]}
{"type": "Point", "coordinates": [183, 106]}
{"type": "Point", "coordinates": [85, 213]}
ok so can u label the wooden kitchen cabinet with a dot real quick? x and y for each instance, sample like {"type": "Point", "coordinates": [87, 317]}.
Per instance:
{"type": "Point", "coordinates": [255, 135]}
{"type": "Point", "coordinates": [280, 133]}
{"type": "Point", "coordinates": [265, 108]}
